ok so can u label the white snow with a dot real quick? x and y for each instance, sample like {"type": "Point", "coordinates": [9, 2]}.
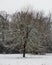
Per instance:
{"type": "Point", "coordinates": [17, 59]}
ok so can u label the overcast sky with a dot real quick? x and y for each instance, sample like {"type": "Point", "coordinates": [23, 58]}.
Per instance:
{"type": "Point", "coordinates": [13, 5]}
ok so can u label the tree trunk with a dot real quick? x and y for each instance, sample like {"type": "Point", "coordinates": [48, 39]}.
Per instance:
{"type": "Point", "coordinates": [25, 42]}
{"type": "Point", "coordinates": [24, 49]}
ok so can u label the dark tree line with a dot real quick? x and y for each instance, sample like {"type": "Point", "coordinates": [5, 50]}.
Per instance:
{"type": "Point", "coordinates": [26, 32]}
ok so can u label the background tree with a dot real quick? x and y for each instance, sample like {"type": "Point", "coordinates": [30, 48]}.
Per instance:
{"type": "Point", "coordinates": [25, 32]}
{"type": "Point", "coordinates": [33, 29]}
{"type": "Point", "coordinates": [3, 30]}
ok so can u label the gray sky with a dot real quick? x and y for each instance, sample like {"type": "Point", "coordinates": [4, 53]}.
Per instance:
{"type": "Point", "coordinates": [13, 5]}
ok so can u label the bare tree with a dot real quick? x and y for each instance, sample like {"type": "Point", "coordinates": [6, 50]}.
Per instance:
{"type": "Point", "coordinates": [24, 24]}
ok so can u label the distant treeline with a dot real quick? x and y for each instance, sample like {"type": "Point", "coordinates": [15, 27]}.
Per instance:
{"type": "Point", "coordinates": [25, 32]}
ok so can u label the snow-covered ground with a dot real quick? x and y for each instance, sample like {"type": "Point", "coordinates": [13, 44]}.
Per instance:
{"type": "Point", "coordinates": [17, 59]}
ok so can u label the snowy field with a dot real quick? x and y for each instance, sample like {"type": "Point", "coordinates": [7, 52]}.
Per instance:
{"type": "Point", "coordinates": [17, 59]}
